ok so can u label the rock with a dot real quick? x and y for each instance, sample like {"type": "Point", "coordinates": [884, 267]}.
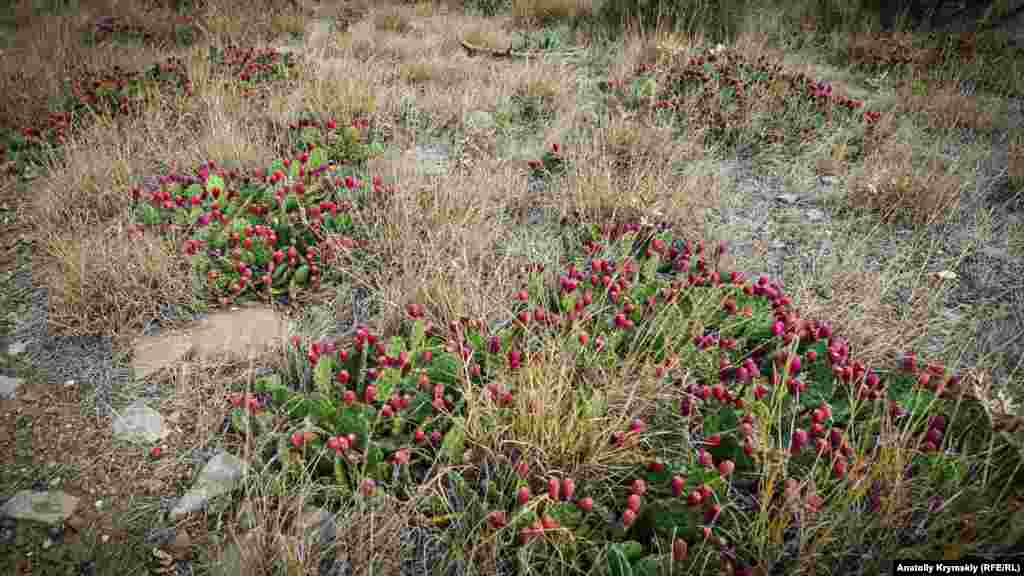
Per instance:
{"type": "Point", "coordinates": [220, 475]}
{"type": "Point", "coordinates": [17, 348]}
{"type": "Point", "coordinates": [787, 198]}
{"type": "Point", "coordinates": [996, 252]}
{"type": "Point", "coordinates": [139, 423]}
{"type": "Point", "coordinates": [432, 160]}
{"type": "Point", "coordinates": [48, 507]}
{"type": "Point", "coordinates": [815, 215]}
{"type": "Point", "coordinates": [9, 387]}
{"type": "Point", "coordinates": [248, 330]}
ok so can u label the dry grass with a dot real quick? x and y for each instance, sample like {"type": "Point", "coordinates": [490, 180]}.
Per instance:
{"type": "Point", "coordinates": [393, 20]}
{"type": "Point", "coordinates": [945, 107]}
{"type": "Point", "coordinates": [888, 50]}
{"type": "Point", "coordinates": [897, 187]}
{"type": "Point", "coordinates": [1015, 163]}
{"type": "Point", "coordinates": [47, 49]}
{"type": "Point", "coordinates": [629, 168]}
{"type": "Point", "coordinates": [109, 279]}
{"type": "Point", "coordinates": [547, 10]}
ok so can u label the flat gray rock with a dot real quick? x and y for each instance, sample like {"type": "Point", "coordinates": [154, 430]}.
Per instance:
{"type": "Point", "coordinates": [51, 507]}
{"type": "Point", "coordinates": [16, 348]}
{"type": "Point", "coordinates": [220, 475]}
{"type": "Point", "coordinates": [9, 387]}
{"type": "Point", "coordinates": [139, 423]}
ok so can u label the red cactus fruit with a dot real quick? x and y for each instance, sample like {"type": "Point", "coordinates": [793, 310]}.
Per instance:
{"type": "Point", "coordinates": [706, 460]}
{"type": "Point", "coordinates": [638, 487]}
{"type": "Point", "coordinates": [585, 504]}
{"type": "Point", "coordinates": [628, 517]}
{"type": "Point", "coordinates": [633, 502]}
{"type": "Point", "coordinates": [839, 468]}
{"type": "Point", "coordinates": [799, 439]}
{"type": "Point", "coordinates": [522, 469]}
{"type": "Point", "coordinates": [568, 488]}
{"type": "Point", "coordinates": [909, 362]}
{"type": "Point", "coordinates": [712, 513]}
{"type": "Point", "coordinates": [497, 519]}
{"type": "Point", "coordinates": [678, 485]}
{"type": "Point", "coordinates": [523, 496]}
{"type": "Point", "coordinates": [726, 467]}
{"type": "Point", "coordinates": [695, 498]}
{"type": "Point", "coordinates": [554, 489]}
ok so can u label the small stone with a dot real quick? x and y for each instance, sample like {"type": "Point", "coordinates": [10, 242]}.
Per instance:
{"type": "Point", "coordinates": [55, 482]}
{"type": "Point", "coordinates": [815, 215]}
{"type": "Point", "coordinates": [47, 543]}
{"type": "Point", "coordinates": [9, 386]}
{"type": "Point", "coordinates": [48, 507]}
{"type": "Point", "coordinates": [105, 538]}
{"type": "Point", "coordinates": [99, 504]}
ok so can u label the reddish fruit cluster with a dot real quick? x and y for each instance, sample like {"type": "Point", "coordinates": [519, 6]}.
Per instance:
{"type": "Point", "coordinates": [933, 437]}
{"type": "Point", "coordinates": [537, 529]}
{"type": "Point", "coordinates": [300, 439]}
{"type": "Point", "coordinates": [250, 401]}
{"type": "Point", "coordinates": [497, 519]}
{"type": "Point", "coordinates": [341, 444]}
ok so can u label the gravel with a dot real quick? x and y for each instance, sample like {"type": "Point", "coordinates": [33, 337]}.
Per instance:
{"type": "Point", "coordinates": [87, 359]}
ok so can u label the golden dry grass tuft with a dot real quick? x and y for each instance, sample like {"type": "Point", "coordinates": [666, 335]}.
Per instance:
{"type": "Point", "coordinates": [548, 10]}
{"type": "Point", "coordinates": [898, 186]}
{"type": "Point", "coordinates": [942, 106]}
{"type": "Point", "coordinates": [547, 416]}
{"type": "Point", "coordinates": [888, 50]}
{"type": "Point", "coordinates": [107, 281]}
